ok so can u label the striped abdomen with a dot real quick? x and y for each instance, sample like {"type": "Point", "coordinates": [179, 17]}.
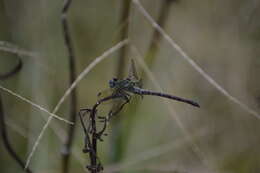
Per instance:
{"type": "Point", "coordinates": [147, 92]}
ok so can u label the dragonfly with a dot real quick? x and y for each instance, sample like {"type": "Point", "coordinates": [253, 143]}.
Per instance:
{"type": "Point", "coordinates": [132, 85]}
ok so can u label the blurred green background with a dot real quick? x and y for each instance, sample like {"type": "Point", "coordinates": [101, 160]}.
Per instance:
{"type": "Point", "coordinates": [221, 36]}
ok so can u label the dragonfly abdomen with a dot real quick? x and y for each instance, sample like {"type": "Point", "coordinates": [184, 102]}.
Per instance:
{"type": "Point", "coordinates": [153, 93]}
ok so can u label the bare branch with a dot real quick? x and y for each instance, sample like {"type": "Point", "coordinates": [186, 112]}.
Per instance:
{"type": "Point", "coordinates": [6, 142]}
{"type": "Point", "coordinates": [11, 48]}
{"type": "Point", "coordinates": [13, 71]}
{"type": "Point", "coordinates": [66, 150]}
{"type": "Point", "coordinates": [34, 105]}
{"type": "Point", "coordinates": [3, 129]}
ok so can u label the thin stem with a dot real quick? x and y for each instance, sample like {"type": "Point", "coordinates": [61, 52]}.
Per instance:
{"type": "Point", "coordinates": [94, 141]}
{"type": "Point", "coordinates": [92, 135]}
{"type": "Point", "coordinates": [116, 143]}
{"type": "Point", "coordinates": [156, 38]}
{"type": "Point", "coordinates": [6, 142]}
{"type": "Point", "coordinates": [72, 76]}
{"type": "Point", "coordinates": [13, 49]}
{"type": "Point", "coordinates": [149, 57]}
{"type": "Point", "coordinates": [16, 69]}
{"type": "Point", "coordinates": [123, 35]}
{"type": "Point", "coordinates": [3, 130]}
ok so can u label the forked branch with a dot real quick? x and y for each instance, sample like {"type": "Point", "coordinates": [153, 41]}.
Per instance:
{"type": "Point", "coordinates": [92, 135]}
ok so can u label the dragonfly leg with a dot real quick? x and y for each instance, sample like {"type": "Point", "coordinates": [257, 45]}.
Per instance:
{"type": "Point", "coordinates": [142, 96]}
{"type": "Point", "coordinates": [125, 97]}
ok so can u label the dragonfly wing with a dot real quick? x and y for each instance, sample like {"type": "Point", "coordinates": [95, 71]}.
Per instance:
{"type": "Point", "coordinates": [132, 75]}
{"type": "Point", "coordinates": [117, 106]}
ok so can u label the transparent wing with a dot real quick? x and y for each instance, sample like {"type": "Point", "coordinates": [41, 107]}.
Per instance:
{"type": "Point", "coordinates": [118, 105]}
{"type": "Point", "coordinates": [132, 74]}
{"type": "Point", "coordinates": [117, 102]}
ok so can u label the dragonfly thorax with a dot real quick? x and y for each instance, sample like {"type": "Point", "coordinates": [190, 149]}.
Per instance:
{"type": "Point", "coordinates": [121, 83]}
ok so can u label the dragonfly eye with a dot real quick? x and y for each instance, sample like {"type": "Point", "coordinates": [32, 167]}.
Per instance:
{"type": "Point", "coordinates": [115, 79]}
{"type": "Point", "coordinates": [112, 83]}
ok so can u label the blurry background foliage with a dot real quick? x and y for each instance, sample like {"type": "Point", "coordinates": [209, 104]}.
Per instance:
{"type": "Point", "coordinates": [222, 36]}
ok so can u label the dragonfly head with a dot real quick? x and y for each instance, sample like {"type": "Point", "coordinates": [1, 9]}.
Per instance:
{"type": "Point", "coordinates": [112, 82]}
